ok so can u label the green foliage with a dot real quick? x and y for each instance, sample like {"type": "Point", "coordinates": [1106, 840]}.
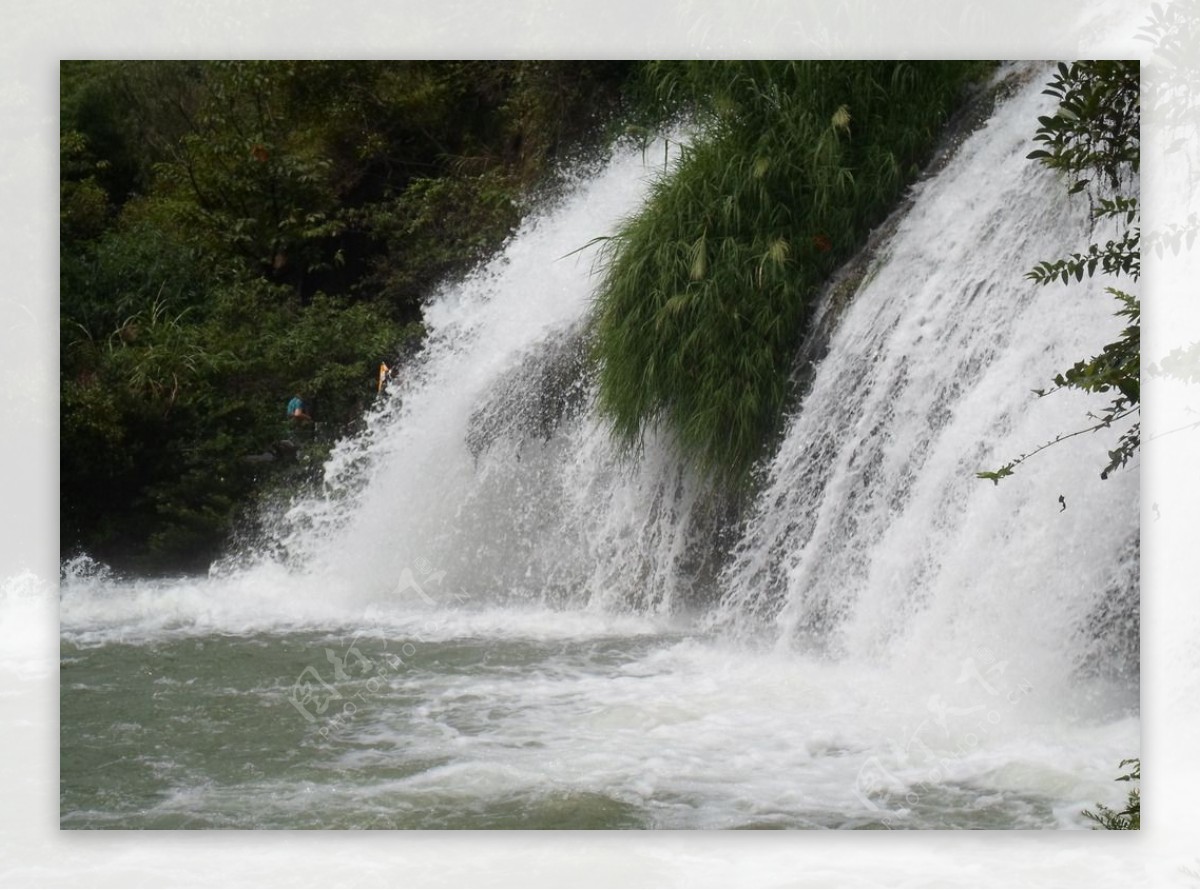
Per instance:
{"type": "Point", "coordinates": [1094, 140]}
{"type": "Point", "coordinates": [706, 291]}
{"type": "Point", "coordinates": [1116, 368]}
{"type": "Point", "coordinates": [97, 106]}
{"type": "Point", "coordinates": [1095, 131]}
{"type": "Point", "coordinates": [433, 227]}
{"type": "Point", "coordinates": [234, 231]}
{"type": "Point", "coordinates": [254, 188]}
{"type": "Point", "coordinates": [330, 350]}
{"type": "Point", "coordinates": [1116, 257]}
{"type": "Point", "coordinates": [552, 104]}
{"type": "Point", "coordinates": [1130, 818]}
{"type": "Point", "coordinates": [84, 208]}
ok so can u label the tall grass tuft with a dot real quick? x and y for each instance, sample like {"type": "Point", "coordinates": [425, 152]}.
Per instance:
{"type": "Point", "coordinates": [706, 291]}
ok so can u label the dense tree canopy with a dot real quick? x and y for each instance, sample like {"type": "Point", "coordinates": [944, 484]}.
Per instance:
{"type": "Point", "coordinates": [235, 232]}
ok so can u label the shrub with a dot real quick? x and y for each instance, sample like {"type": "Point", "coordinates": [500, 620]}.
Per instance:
{"type": "Point", "coordinates": [706, 291]}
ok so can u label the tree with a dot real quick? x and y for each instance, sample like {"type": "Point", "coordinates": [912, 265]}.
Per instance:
{"type": "Point", "coordinates": [232, 231]}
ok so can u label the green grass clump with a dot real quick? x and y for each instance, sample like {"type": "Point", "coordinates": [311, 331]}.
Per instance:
{"type": "Point", "coordinates": [706, 291]}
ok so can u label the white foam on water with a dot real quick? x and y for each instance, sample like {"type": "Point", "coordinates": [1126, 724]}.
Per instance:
{"type": "Point", "coordinates": [893, 635]}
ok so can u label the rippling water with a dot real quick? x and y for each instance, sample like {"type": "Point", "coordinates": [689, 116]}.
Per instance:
{"type": "Point", "coordinates": [490, 618]}
{"type": "Point", "coordinates": [547, 720]}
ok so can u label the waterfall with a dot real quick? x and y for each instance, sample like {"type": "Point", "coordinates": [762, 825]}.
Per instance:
{"type": "Point", "coordinates": [484, 467]}
{"type": "Point", "coordinates": [484, 475]}
{"type": "Point", "coordinates": [564, 630]}
{"type": "Point", "coordinates": [872, 538]}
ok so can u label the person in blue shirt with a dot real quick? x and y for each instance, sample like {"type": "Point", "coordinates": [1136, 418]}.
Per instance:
{"type": "Point", "coordinates": [285, 449]}
{"type": "Point", "coordinates": [297, 410]}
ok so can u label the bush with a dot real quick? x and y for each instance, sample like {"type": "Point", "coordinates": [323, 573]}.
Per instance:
{"type": "Point", "coordinates": [706, 291]}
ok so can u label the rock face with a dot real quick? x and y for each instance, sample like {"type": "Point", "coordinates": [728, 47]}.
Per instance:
{"type": "Point", "coordinates": [546, 387]}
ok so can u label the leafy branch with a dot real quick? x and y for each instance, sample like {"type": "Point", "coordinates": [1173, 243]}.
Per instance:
{"type": "Point", "coordinates": [1119, 257]}
{"type": "Point", "coordinates": [1095, 130]}
{"type": "Point", "coordinates": [1096, 133]}
{"type": "Point", "coordinates": [1130, 818]}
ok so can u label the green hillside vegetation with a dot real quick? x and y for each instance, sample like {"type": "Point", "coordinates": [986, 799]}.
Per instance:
{"type": "Point", "coordinates": [707, 291]}
{"type": "Point", "coordinates": [235, 232]}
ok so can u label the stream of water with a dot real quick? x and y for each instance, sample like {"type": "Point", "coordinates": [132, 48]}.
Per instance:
{"type": "Point", "coordinates": [490, 618]}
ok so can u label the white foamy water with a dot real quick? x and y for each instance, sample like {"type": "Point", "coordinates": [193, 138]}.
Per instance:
{"type": "Point", "coordinates": [550, 631]}
{"type": "Point", "coordinates": [873, 538]}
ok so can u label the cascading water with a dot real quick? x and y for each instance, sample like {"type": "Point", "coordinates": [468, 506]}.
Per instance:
{"type": "Point", "coordinates": [873, 534]}
{"type": "Point", "coordinates": [491, 617]}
